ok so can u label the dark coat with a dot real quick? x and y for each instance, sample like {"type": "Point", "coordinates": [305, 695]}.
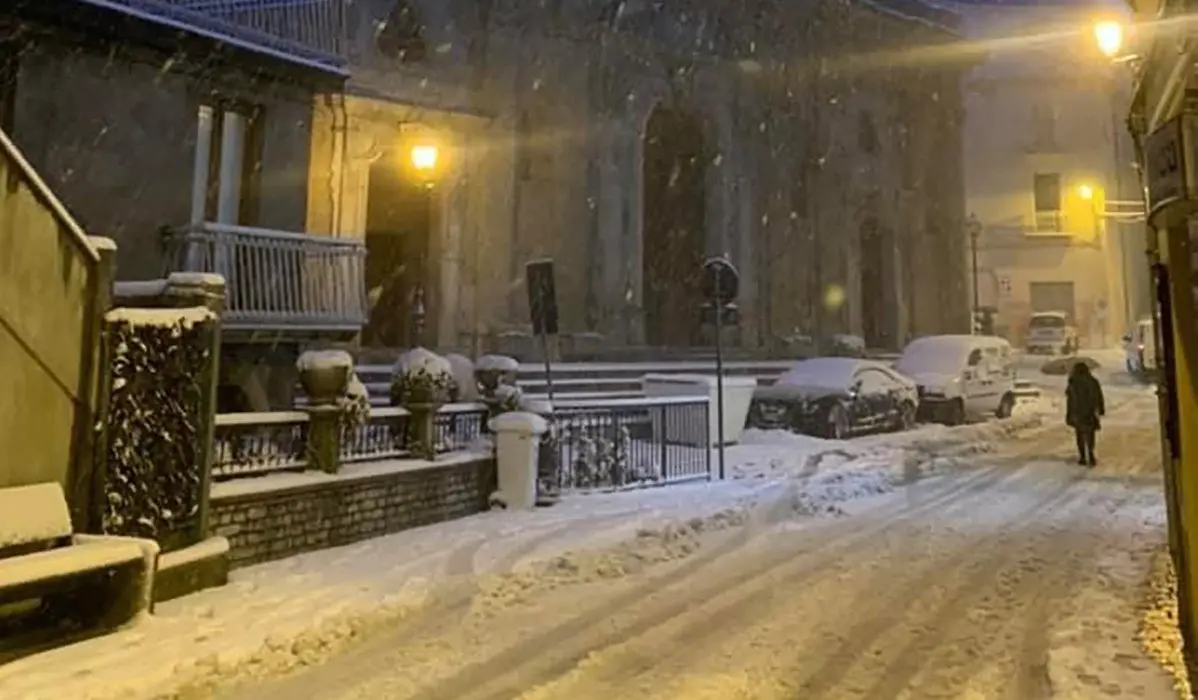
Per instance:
{"type": "Point", "coordinates": [1084, 402]}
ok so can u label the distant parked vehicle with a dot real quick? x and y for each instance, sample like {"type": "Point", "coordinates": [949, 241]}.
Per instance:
{"type": "Point", "coordinates": [836, 397]}
{"type": "Point", "coordinates": [961, 376]}
{"type": "Point", "coordinates": [1139, 347]}
{"type": "Point", "coordinates": [1050, 333]}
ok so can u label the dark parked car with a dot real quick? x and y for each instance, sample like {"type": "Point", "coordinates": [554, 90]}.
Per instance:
{"type": "Point", "coordinates": [836, 397]}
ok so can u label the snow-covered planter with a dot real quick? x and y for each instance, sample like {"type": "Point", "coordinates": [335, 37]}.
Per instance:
{"type": "Point", "coordinates": [422, 377]}
{"type": "Point", "coordinates": [493, 371]}
{"type": "Point", "coordinates": [325, 374]}
{"type": "Point", "coordinates": [422, 382]}
{"type": "Point", "coordinates": [160, 409]}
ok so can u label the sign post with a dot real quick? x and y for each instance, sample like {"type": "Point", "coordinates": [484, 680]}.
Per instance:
{"type": "Point", "coordinates": [721, 283]}
{"type": "Point", "coordinates": [542, 307]}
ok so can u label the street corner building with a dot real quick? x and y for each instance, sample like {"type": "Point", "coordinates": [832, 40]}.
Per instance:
{"type": "Point", "coordinates": [387, 167]}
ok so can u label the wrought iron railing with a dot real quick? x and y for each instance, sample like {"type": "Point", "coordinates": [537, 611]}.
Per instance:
{"type": "Point", "coordinates": [617, 443]}
{"type": "Point", "coordinates": [310, 32]}
{"type": "Point", "coordinates": [276, 280]}
{"type": "Point", "coordinates": [255, 444]}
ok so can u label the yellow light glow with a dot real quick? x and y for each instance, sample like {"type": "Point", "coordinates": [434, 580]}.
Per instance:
{"type": "Point", "coordinates": [1108, 34]}
{"type": "Point", "coordinates": [424, 157]}
{"type": "Point", "coordinates": [1085, 192]}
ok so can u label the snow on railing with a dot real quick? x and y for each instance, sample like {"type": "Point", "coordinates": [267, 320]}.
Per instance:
{"type": "Point", "coordinates": [254, 444]}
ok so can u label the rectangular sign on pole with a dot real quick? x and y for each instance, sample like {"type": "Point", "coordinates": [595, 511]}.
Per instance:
{"type": "Point", "coordinates": [542, 297]}
{"type": "Point", "coordinates": [542, 308]}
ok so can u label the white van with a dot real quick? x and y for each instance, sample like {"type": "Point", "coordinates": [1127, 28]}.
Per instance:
{"type": "Point", "coordinates": [961, 376]}
{"type": "Point", "coordinates": [1140, 347]}
{"type": "Point", "coordinates": [1049, 332]}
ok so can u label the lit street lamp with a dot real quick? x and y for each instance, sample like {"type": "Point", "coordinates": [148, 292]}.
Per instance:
{"type": "Point", "coordinates": [1086, 192]}
{"type": "Point", "coordinates": [424, 157]}
{"type": "Point", "coordinates": [1108, 35]}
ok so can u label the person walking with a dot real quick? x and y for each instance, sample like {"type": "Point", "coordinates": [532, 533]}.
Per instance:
{"type": "Point", "coordinates": [1084, 405]}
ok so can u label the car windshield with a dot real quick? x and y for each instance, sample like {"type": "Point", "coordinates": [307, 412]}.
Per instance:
{"type": "Point", "coordinates": [1047, 321]}
{"type": "Point", "coordinates": [941, 355]}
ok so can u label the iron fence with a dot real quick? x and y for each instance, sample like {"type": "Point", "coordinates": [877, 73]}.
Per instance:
{"type": "Point", "coordinates": [618, 443]}
{"type": "Point", "coordinates": [309, 32]}
{"type": "Point", "coordinates": [254, 444]}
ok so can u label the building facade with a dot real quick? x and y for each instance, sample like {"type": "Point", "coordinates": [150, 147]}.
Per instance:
{"type": "Point", "coordinates": [627, 142]}
{"type": "Point", "coordinates": [1049, 169]}
{"type": "Point", "coordinates": [182, 130]}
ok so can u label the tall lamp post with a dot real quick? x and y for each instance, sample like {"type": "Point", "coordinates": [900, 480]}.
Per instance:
{"type": "Point", "coordinates": [974, 228]}
{"type": "Point", "coordinates": [424, 157]}
{"type": "Point", "coordinates": [1109, 38]}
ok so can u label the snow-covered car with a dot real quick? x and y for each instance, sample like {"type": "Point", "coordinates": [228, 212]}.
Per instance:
{"type": "Point", "coordinates": [836, 397]}
{"type": "Point", "coordinates": [1050, 333]}
{"type": "Point", "coordinates": [961, 376]}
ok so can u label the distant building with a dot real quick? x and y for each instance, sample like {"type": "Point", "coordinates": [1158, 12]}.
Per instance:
{"type": "Point", "coordinates": [1049, 172]}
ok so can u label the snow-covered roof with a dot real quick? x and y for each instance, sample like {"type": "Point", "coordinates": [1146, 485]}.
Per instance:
{"type": "Point", "coordinates": [936, 353]}
{"type": "Point", "coordinates": [821, 373]}
{"type": "Point", "coordinates": [1050, 314]}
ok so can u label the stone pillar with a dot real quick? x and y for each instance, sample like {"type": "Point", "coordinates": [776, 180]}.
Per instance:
{"type": "Point", "coordinates": [517, 447]}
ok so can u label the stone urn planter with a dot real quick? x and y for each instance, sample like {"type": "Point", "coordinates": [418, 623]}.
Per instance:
{"type": "Point", "coordinates": [422, 382]}
{"type": "Point", "coordinates": [324, 375]}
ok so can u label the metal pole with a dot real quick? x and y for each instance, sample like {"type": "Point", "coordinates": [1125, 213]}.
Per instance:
{"type": "Point", "coordinates": [719, 367]}
{"type": "Point", "coordinates": [973, 245]}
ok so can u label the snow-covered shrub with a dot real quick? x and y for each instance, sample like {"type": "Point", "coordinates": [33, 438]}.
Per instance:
{"type": "Point", "coordinates": [464, 377]}
{"type": "Point", "coordinates": [422, 377]}
{"type": "Point", "coordinates": [841, 345]}
{"type": "Point", "coordinates": [356, 405]}
{"type": "Point", "coordinates": [162, 362]}
{"type": "Point", "coordinates": [598, 460]}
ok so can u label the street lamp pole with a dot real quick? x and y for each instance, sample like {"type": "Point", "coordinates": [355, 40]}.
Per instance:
{"type": "Point", "coordinates": [974, 228]}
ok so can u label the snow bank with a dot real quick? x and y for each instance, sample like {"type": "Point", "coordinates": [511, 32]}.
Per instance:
{"type": "Point", "coordinates": [160, 317]}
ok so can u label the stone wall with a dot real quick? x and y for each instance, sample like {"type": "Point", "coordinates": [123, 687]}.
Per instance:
{"type": "Point", "coordinates": [273, 523]}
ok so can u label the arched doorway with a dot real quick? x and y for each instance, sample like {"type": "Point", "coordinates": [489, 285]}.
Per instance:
{"type": "Point", "coordinates": [673, 227]}
{"type": "Point", "coordinates": [874, 275]}
{"type": "Point", "coordinates": [399, 225]}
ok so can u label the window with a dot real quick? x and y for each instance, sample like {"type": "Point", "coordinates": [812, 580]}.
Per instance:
{"type": "Point", "coordinates": [1047, 194]}
{"type": "Point", "coordinates": [1044, 128]}
{"type": "Point", "coordinates": [236, 134]}
{"type": "Point", "coordinates": [975, 358]}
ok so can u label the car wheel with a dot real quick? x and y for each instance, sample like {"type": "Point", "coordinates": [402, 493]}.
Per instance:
{"type": "Point", "coordinates": [956, 412]}
{"type": "Point", "coordinates": [838, 423]}
{"type": "Point", "coordinates": [1005, 407]}
{"type": "Point", "coordinates": [906, 419]}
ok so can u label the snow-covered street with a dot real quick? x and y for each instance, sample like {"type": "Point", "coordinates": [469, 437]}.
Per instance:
{"type": "Point", "coordinates": [975, 562]}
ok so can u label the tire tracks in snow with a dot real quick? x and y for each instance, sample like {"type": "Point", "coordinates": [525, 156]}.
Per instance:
{"type": "Point", "coordinates": [757, 600]}
{"type": "Point", "coordinates": [487, 679]}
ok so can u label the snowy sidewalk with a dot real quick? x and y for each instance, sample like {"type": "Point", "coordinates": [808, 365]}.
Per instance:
{"type": "Point", "coordinates": [298, 611]}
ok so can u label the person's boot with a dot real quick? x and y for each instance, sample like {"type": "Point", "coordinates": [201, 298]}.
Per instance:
{"type": "Point", "coordinates": [1093, 461]}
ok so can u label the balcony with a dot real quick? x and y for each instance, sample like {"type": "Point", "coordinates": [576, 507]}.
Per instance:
{"type": "Point", "coordinates": [278, 282]}
{"type": "Point", "coordinates": [307, 32]}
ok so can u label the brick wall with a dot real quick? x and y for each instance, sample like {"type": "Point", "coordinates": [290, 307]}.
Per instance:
{"type": "Point", "coordinates": [277, 523]}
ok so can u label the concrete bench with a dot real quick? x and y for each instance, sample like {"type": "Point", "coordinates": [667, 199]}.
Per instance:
{"type": "Point", "coordinates": [99, 581]}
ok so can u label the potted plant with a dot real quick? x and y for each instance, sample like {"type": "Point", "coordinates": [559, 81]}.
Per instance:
{"type": "Point", "coordinates": [422, 382]}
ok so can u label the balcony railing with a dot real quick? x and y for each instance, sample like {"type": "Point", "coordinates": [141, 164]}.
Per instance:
{"type": "Point", "coordinates": [279, 281]}
{"type": "Point", "coordinates": [310, 32]}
